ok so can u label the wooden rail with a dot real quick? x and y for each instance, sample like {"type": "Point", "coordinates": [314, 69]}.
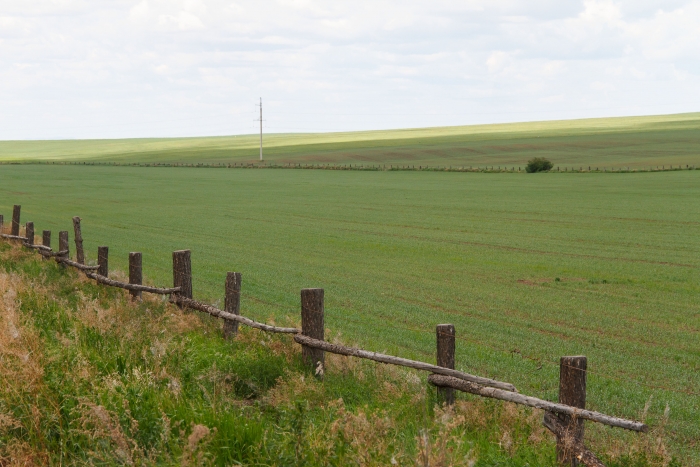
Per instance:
{"type": "Point", "coordinates": [13, 237]}
{"type": "Point", "coordinates": [195, 305]}
{"type": "Point", "coordinates": [508, 396]}
{"type": "Point", "coordinates": [132, 287]}
{"type": "Point", "coordinates": [39, 247]}
{"type": "Point", "coordinates": [76, 265]}
{"type": "Point", "coordinates": [391, 360]}
{"type": "Point", "coordinates": [56, 253]}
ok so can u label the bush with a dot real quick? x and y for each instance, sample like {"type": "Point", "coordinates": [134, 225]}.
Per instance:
{"type": "Point", "coordinates": [539, 164]}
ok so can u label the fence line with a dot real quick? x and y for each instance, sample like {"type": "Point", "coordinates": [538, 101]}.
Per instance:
{"type": "Point", "coordinates": [47, 252]}
{"type": "Point", "coordinates": [365, 167]}
{"type": "Point", "coordinates": [570, 412]}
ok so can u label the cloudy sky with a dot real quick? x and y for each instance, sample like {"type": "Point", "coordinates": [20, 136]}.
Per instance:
{"type": "Point", "coordinates": [142, 68]}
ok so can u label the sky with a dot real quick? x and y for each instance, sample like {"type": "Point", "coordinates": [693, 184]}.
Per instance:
{"type": "Point", "coordinates": [175, 68]}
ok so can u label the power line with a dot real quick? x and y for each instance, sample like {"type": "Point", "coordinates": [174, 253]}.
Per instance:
{"type": "Point", "coordinates": [261, 128]}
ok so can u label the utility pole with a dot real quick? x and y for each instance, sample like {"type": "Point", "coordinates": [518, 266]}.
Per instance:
{"type": "Point", "coordinates": [261, 120]}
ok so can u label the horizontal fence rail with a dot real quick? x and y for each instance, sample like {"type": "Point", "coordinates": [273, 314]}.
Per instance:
{"type": "Point", "coordinates": [75, 264]}
{"type": "Point", "coordinates": [38, 247]}
{"type": "Point", "coordinates": [195, 305]}
{"type": "Point", "coordinates": [509, 396]}
{"type": "Point", "coordinates": [398, 361]}
{"type": "Point", "coordinates": [13, 237]}
{"type": "Point", "coordinates": [123, 285]}
{"type": "Point", "coordinates": [564, 419]}
{"type": "Point", "coordinates": [51, 253]}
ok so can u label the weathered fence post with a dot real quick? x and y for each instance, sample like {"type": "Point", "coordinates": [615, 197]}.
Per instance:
{"type": "Point", "coordinates": [63, 245]}
{"type": "Point", "coordinates": [2, 223]}
{"type": "Point", "coordinates": [15, 219]}
{"type": "Point", "coordinates": [446, 358]}
{"type": "Point", "coordinates": [232, 303]}
{"type": "Point", "coordinates": [572, 391]}
{"type": "Point", "coordinates": [182, 273]}
{"type": "Point", "coordinates": [103, 260]}
{"type": "Point", "coordinates": [29, 233]}
{"type": "Point", "coordinates": [46, 241]}
{"type": "Point", "coordinates": [312, 325]}
{"type": "Point", "coordinates": [135, 274]}
{"type": "Point", "coordinates": [79, 253]}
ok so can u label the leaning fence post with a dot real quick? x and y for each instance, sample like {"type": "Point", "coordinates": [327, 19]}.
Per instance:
{"type": "Point", "coordinates": [29, 233]}
{"type": "Point", "coordinates": [232, 303]}
{"type": "Point", "coordinates": [182, 273]}
{"type": "Point", "coordinates": [79, 254]}
{"type": "Point", "coordinates": [312, 326]}
{"type": "Point", "coordinates": [46, 241]}
{"type": "Point", "coordinates": [15, 219]}
{"type": "Point", "coordinates": [135, 274]}
{"type": "Point", "coordinates": [572, 391]}
{"type": "Point", "coordinates": [446, 358]}
{"type": "Point", "coordinates": [63, 245]}
{"type": "Point", "coordinates": [103, 260]}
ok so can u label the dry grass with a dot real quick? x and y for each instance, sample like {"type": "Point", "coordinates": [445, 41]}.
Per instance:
{"type": "Point", "coordinates": [98, 423]}
{"type": "Point", "coordinates": [195, 453]}
{"type": "Point", "coordinates": [21, 371]}
{"type": "Point", "coordinates": [651, 445]}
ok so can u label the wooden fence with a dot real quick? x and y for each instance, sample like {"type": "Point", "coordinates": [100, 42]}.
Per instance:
{"type": "Point", "coordinates": [565, 418]}
{"type": "Point", "coordinates": [361, 167]}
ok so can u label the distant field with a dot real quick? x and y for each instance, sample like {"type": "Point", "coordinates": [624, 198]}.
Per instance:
{"type": "Point", "coordinates": [399, 252]}
{"type": "Point", "coordinates": [607, 142]}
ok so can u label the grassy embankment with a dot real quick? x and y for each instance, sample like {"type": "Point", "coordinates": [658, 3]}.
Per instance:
{"type": "Point", "coordinates": [635, 142]}
{"type": "Point", "coordinates": [88, 377]}
{"type": "Point", "coordinates": [399, 252]}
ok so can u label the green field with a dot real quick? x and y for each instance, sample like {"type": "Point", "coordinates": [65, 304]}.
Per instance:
{"type": "Point", "coordinates": [527, 267]}
{"type": "Point", "coordinates": [635, 142]}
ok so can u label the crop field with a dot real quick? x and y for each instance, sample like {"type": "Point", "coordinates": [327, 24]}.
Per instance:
{"type": "Point", "coordinates": [527, 267]}
{"type": "Point", "coordinates": [635, 142]}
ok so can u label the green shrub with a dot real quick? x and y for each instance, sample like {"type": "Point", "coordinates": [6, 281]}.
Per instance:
{"type": "Point", "coordinates": [538, 164]}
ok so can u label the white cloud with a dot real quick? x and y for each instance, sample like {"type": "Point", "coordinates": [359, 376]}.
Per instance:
{"type": "Point", "coordinates": [13, 27]}
{"type": "Point", "coordinates": [183, 21]}
{"type": "Point", "coordinates": [140, 11]}
{"type": "Point", "coordinates": [497, 60]}
{"type": "Point", "coordinates": [132, 67]}
{"type": "Point", "coordinates": [601, 86]}
{"type": "Point", "coordinates": [601, 11]}
{"type": "Point", "coordinates": [553, 67]}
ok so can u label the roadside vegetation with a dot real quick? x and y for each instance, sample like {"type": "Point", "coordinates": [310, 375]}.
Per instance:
{"type": "Point", "coordinates": [89, 377]}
